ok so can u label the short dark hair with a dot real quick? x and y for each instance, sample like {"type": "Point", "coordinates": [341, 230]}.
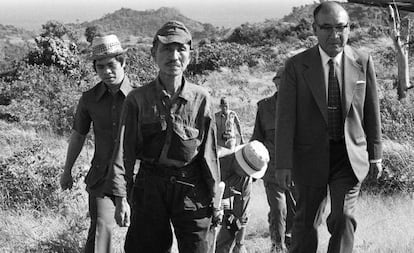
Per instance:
{"type": "Point", "coordinates": [121, 58]}
{"type": "Point", "coordinates": [223, 101]}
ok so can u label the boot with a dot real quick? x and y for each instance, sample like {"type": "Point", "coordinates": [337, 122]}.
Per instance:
{"type": "Point", "coordinates": [239, 247]}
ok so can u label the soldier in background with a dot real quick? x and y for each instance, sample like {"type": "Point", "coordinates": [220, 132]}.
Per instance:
{"type": "Point", "coordinates": [227, 121]}
{"type": "Point", "coordinates": [281, 202]}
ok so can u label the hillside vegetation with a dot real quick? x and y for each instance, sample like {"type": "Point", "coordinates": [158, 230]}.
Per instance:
{"type": "Point", "coordinates": [40, 87]}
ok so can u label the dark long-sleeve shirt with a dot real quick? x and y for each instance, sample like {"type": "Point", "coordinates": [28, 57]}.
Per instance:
{"type": "Point", "coordinates": [166, 131]}
{"type": "Point", "coordinates": [264, 131]}
{"type": "Point", "coordinates": [102, 109]}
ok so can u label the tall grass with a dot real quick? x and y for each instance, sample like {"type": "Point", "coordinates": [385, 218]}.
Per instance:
{"type": "Point", "coordinates": [385, 224]}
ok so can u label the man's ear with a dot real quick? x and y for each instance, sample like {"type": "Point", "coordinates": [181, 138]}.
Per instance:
{"type": "Point", "coordinates": [153, 52]}
{"type": "Point", "coordinates": [314, 27]}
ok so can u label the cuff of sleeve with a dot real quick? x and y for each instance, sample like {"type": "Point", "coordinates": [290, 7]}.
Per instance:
{"type": "Point", "coordinates": [375, 161]}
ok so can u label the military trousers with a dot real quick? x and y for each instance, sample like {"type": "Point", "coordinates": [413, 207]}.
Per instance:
{"type": "Point", "coordinates": [281, 213]}
{"type": "Point", "coordinates": [160, 200]}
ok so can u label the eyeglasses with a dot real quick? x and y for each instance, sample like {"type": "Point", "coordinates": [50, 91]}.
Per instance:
{"type": "Point", "coordinates": [331, 28]}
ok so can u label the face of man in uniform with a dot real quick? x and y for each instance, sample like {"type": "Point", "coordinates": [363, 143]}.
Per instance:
{"type": "Point", "coordinates": [331, 27]}
{"type": "Point", "coordinates": [172, 59]}
{"type": "Point", "coordinates": [110, 70]}
{"type": "Point", "coordinates": [224, 108]}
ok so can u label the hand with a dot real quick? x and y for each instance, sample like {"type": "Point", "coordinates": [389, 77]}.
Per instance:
{"type": "Point", "coordinates": [122, 212]}
{"type": "Point", "coordinates": [375, 170]}
{"type": "Point", "coordinates": [66, 180]}
{"type": "Point", "coordinates": [217, 218]}
{"type": "Point", "coordinates": [283, 178]}
{"type": "Point", "coordinates": [239, 248]}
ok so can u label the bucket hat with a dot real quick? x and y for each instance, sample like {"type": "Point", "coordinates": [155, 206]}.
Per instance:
{"type": "Point", "coordinates": [106, 46]}
{"type": "Point", "coordinates": [252, 158]}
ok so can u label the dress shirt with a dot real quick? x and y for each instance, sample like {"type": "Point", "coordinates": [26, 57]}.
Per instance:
{"type": "Point", "coordinates": [338, 68]}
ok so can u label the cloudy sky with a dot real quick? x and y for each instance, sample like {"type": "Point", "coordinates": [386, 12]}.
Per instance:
{"type": "Point", "coordinates": [31, 14]}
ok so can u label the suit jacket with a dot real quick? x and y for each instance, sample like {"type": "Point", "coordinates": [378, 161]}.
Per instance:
{"type": "Point", "coordinates": [302, 141]}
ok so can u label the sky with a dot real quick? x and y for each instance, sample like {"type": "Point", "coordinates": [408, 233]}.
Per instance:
{"type": "Point", "coordinates": [31, 14]}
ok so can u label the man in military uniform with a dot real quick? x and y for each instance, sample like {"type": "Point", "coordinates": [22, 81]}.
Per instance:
{"type": "Point", "coordinates": [281, 202]}
{"type": "Point", "coordinates": [169, 126]}
{"type": "Point", "coordinates": [227, 121]}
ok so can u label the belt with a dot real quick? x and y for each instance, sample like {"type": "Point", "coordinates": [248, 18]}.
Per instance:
{"type": "Point", "coordinates": [337, 141]}
{"type": "Point", "coordinates": [188, 173]}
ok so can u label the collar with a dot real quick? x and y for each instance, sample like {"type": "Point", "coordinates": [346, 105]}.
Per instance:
{"type": "Point", "coordinates": [126, 87]}
{"type": "Point", "coordinates": [325, 57]}
{"type": "Point", "coordinates": [183, 92]}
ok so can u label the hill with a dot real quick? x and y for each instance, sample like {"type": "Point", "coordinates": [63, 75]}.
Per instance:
{"type": "Point", "coordinates": [13, 43]}
{"type": "Point", "coordinates": [127, 22]}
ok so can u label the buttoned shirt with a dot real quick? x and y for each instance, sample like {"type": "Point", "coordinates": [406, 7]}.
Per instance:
{"type": "Point", "coordinates": [337, 65]}
{"type": "Point", "coordinates": [99, 107]}
{"type": "Point", "coordinates": [264, 131]}
{"type": "Point", "coordinates": [165, 131]}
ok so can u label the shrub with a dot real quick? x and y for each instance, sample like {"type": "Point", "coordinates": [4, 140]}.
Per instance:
{"type": "Point", "coordinates": [30, 167]}
{"type": "Point", "coordinates": [43, 97]}
{"type": "Point", "coordinates": [55, 51]}
{"type": "Point", "coordinates": [398, 175]}
{"type": "Point", "coordinates": [213, 56]}
{"type": "Point", "coordinates": [397, 118]}
{"type": "Point", "coordinates": [140, 68]}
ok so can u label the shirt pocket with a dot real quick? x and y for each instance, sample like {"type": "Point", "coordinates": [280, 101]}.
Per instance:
{"type": "Point", "coordinates": [184, 142]}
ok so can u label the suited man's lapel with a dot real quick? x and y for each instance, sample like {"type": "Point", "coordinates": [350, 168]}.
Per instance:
{"type": "Point", "coordinates": [351, 73]}
{"type": "Point", "coordinates": [313, 75]}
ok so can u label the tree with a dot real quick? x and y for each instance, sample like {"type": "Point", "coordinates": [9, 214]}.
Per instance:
{"type": "Point", "coordinates": [52, 49]}
{"type": "Point", "coordinates": [92, 31]}
{"type": "Point", "coordinates": [56, 29]}
{"type": "Point", "coordinates": [401, 44]}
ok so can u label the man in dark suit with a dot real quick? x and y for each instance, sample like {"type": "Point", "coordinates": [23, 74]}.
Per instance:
{"type": "Point", "coordinates": [328, 130]}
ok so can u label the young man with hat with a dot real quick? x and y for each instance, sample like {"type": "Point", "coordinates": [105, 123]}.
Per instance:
{"type": "Point", "coordinates": [169, 126]}
{"type": "Point", "coordinates": [100, 106]}
{"type": "Point", "coordinates": [238, 167]}
{"type": "Point", "coordinates": [227, 121]}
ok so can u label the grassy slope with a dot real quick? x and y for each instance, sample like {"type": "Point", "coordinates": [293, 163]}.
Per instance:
{"type": "Point", "coordinates": [385, 224]}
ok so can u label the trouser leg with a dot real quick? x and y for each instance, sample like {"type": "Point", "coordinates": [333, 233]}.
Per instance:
{"type": "Point", "coordinates": [344, 190]}
{"type": "Point", "coordinates": [277, 213]}
{"type": "Point", "coordinates": [304, 232]}
{"type": "Point", "coordinates": [225, 239]}
{"type": "Point", "coordinates": [291, 197]}
{"type": "Point", "coordinates": [90, 241]}
{"type": "Point", "coordinates": [191, 216]}
{"type": "Point", "coordinates": [102, 210]}
{"type": "Point", "coordinates": [233, 230]}
{"type": "Point", "coordinates": [150, 229]}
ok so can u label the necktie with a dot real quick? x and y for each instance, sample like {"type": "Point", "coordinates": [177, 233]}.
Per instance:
{"type": "Point", "coordinates": [335, 122]}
